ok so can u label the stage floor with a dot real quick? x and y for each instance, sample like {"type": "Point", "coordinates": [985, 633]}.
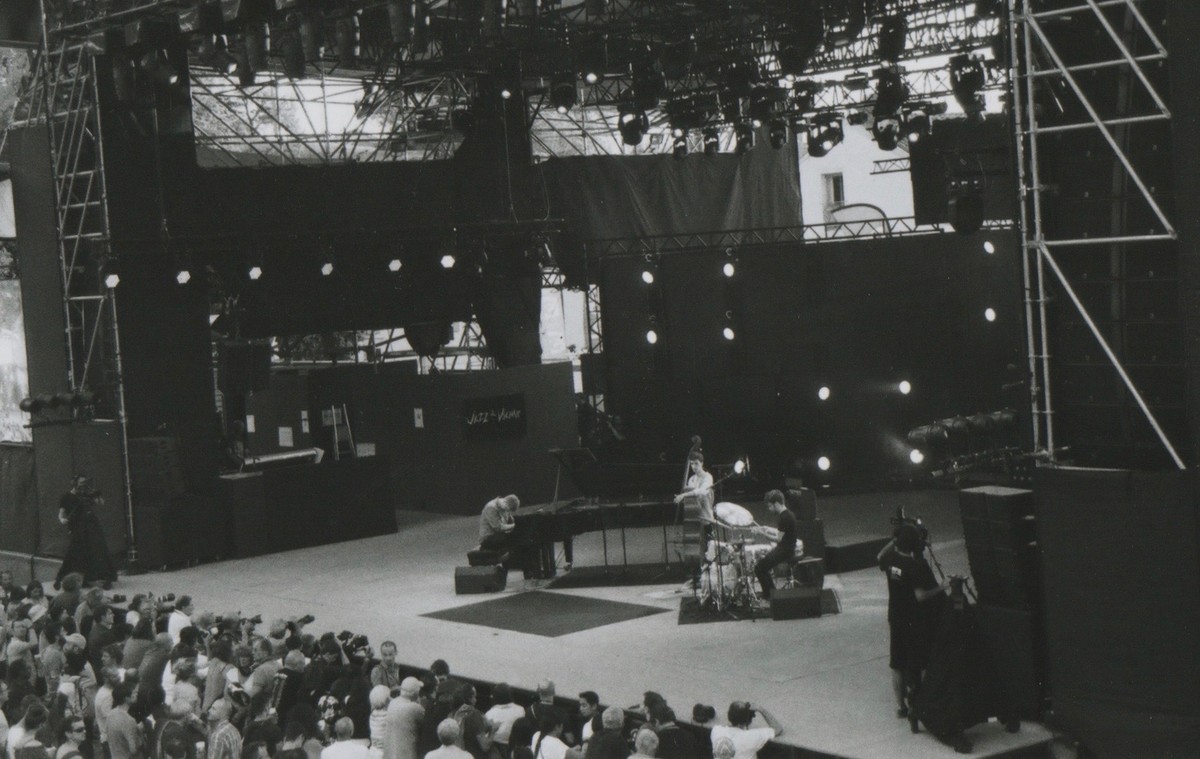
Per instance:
{"type": "Point", "coordinates": [826, 679]}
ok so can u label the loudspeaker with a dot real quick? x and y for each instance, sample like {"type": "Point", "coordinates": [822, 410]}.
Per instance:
{"type": "Point", "coordinates": [795, 603]}
{"type": "Point", "coordinates": [1000, 532]}
{"type": "Point", "coordinates": [243, 367]}
{"type": "Point", "coordinates": [479, 580]}
{"type": "Point", "coordinates": [483, 558]}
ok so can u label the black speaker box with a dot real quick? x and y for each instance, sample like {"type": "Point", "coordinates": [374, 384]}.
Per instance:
{"type": "Point", "coordinates": [803, 503]}
{"type": "Point", "coordinates": [479, 580]}
{"type": "Point", "coordinates": [795, 603]}
{"type": "Point", "coordinates": [812, 532]}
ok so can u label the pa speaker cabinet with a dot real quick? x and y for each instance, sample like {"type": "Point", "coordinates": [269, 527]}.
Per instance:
{"type": "Point", "coordinates": [479, 580]}
{"type": "Point", "coordinates": [795, 603]}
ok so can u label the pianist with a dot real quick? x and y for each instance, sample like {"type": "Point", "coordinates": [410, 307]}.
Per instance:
{"type": "Point", "coordinates": [496, 524]}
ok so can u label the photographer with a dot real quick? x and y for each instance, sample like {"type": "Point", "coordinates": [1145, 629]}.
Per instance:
{"type": "Point", "coordinates": [911, 585]}
{"type": "Point", "coordinates": [747, 740]}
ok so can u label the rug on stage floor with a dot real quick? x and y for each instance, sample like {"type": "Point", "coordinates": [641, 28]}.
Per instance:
{"type": "Point", "coordinates": [546, 614]}
{"type": "Point", "coordinates": [618, 576]}
{"type": "Point", "coordinates": [692, 612]}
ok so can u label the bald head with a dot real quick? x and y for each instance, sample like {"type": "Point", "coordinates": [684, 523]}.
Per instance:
{"type": "Point", "coordinates": [448, 731]}
{"type": "Point", "coordinates": [646, 742]}
{"type": "Point", "coordinates": [220, 710]}
{"type": "Point", "coordinates": [612, 718]}
{"type": "Point", "coordinates": [343, 729]}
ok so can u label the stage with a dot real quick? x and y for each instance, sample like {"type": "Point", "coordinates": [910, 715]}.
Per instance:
{"type": "Point", "coordinates": [826, 679]}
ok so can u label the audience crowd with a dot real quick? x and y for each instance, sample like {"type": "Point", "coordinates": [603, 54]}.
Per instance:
{"type": "Point", "coordinates": [88, 676]}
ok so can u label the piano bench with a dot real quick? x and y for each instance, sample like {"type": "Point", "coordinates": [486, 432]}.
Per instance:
{"type": "Point", "coordinates": [481, 557]}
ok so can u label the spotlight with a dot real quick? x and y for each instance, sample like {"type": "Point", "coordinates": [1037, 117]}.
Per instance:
{"type": "Point", "coordinates": [591, 77]}
{"type": "Point", "coordinates": [651, 336]}
{"type": "Point", "coordinates": [744, 131]}
{"type": "Point", "coordinates": [796, 49]}
{"type": "Point", "coordinates": [563, 95]}
{"type": "Point", "coordinates": [967, 78]}
{"type": "Point", "coordinates": [778, 133]}
{"type": "Point", "coordinates": [394, 265]}
{"type": "Point", "coordinates": [915, 456]}
{"type": "Point", "coordinates": [326, 269]}
{"type": "Point", "coordinates": [183, 276]}
{"type": "Point", "coordinates": [505, 93]}
{"type": "Point", "coordinates": [892, 38]}
{"type": "Point", "coordinates": [309, 29]}
{"type": "Point", "coordinates": [112, 280]}
{"type": "Point", "coordinates": [255, 272]}
{"type": "Point", "coordinates": [347, 35]}
{"type": "Point", "coordinates": [632, 124]}
{"type": "Point", "coordinates": [990, 314]}
{"type": "Point", "coordinates": [679, 146]}
{"type": "Point", "coordinates": [823, 393]}
{"type": "Point", "coordinates": [728, 333]}
{"type": "Point", "coordinates": [740, 466]}
{"type": "Point", "coordinates": [728, 269]}
{"type": "Point", "coordinates": [917, 125]}
{"type": "Point", "coordinates": [447, 261]}
{"type": "Point", "coordinates": [155, 64]}
{"type": "Point", "coordinates": [886, 133]}
{"type": "Point", "coordinates": [824, 463]}
{"type": "Point", "coordinates": [712, 141]}
{"type": "Point", "coordinates": [890, 92]}
{"type": "Point", "coordinates": [905, 387]}
{"type": "Point", "coordinates": [824, 134]}
{"type": "Point", "coordinates": [648, 277]}
{"type": "Point", "coordinates": [988, 247]}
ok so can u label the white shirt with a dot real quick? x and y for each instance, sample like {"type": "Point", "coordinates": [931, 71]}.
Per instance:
{"type": "Point", "coordinates": [746, 743]}
{"type": "Point", "coordinates": [503, 716]}
{"type": "Point", "coordinates": [448, 752]}
{"type": "Point", "coordinates": [345, 750]}
{"type": "Point", "coordinates": [551, 748]}
{"type": "Point", "coordinates": [175, 624]}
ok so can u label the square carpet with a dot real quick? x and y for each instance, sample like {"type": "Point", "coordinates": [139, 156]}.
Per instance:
{"type": "Point", "coordinates": [546, 614]}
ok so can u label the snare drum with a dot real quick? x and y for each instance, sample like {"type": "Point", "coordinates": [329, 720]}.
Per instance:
{"type": "Point", "coordinates": [756, 551]}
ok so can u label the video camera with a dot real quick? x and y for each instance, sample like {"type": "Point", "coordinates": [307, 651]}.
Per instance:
{"type": "Point", "coordinates": [356, 646]}
{"type": "Point", "coordinates": [901, 520]}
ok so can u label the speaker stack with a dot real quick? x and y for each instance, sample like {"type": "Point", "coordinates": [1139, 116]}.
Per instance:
{"type": "Point", "coordinates": [1000, 529]}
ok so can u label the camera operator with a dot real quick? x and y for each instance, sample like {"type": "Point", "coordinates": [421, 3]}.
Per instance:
{"type": "Point", "coordinates": [747, 740]}
{"type": "Point", "coordinates": [911, 585]}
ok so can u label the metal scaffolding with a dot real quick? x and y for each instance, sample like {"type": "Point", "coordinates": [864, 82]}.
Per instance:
{"type": "Point", "coordinates": [1040, 60]}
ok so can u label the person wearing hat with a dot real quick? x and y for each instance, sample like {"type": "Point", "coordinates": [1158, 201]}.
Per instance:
{"type": "Point", "coordinates": [746, 740]}
{"type": "Point", "coordinates": [403, 722]}
{"type": "Point", "coordinates": [911, 585]}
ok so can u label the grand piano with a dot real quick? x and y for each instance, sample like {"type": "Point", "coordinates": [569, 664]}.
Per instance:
{"type": "Point", "coordinates": [616, 497]}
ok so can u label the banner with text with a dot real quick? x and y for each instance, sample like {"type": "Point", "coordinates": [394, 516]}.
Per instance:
{"type": "Point", "coordinates": [494, 417]}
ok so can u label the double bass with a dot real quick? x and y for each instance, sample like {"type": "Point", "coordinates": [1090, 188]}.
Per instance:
{"type": "Point", "coordinates": [691, 516]}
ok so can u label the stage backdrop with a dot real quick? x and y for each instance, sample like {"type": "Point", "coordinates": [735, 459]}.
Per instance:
{"type": "Point", "coordinates": [856, 316]}
{"type": "Point", "coordinates": [1122, 608]}
{"type": "Point", "coordinates": [453, 441]}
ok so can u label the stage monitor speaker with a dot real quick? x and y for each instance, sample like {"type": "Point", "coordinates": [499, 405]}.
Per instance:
{"type": "Point", "coordinates": [795, 603]}
{"type": "Point", "coordinates": [243, 367]}
{"type": "Point", "coordinates": [479, 580]}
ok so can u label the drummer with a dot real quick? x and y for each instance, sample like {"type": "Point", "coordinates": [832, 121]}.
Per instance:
{"type": "Point", "coordinates": [785, 545]}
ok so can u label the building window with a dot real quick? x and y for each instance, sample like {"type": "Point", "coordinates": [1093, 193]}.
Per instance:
{"type": "Point", "coordinates": [835, 190]}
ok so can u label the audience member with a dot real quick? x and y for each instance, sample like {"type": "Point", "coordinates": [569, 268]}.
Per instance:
{"type": "Point", "coordinates": [645, 744]}
{"type": "Point", "coordinates": [746, 740]}
{"type": "Point", "coordinates": [74, 734]}
{"type": "Point", "coordinates": [224, 741]}
{"type": "Point", "coordinates": [503, 714]}
{"type": "Point", "coordinates": [125, 739]}
{"type": "Point", "coordinates": [475, 731]}
{"type": "Point", "coordinates": [381, 695]}
{"type": "Point", "coordinates": [448, 734]}
{"type": "Point", "coordinates": [403, 726]}
{"type": "Point", "coordinates": [547, 743]}
{"type": "Point", "coordinates": [387, 671]}
{"type": "Point", "coordinates": [673, 741]}
{"type": "Point", "coordinates": [589, 715]}
{"type": "Point", "coordinates": [344, 746]}
{"type": "Point", "coordinates": [181, 617]}
{"type": "Point", "coordinates": [609, 741]}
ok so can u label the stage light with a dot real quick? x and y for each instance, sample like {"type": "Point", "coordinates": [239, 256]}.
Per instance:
{"type": "Point", "coordinates": [744, 132]}
{"type": "Point", "coordinates": [400, 20]}
{"type": "Point", "coordinates": [824, 393]}
{"type": "Point", "coordinates": [917, 125]}
{"type": "Point", "coordinates": [905, 387]}
{"type": "Point", "coordinates": [893, 32]}
{"type": "Point", "coordinates": [778, 133]}
{"type": "Point", "coordinates": [214, 53]}
{"type": "Point", "coordinates": [309, 25]}
{"type": "Point", "coordinates": [394, 265]}
{"type": "Point", "coordinates": [255, 272]}
{"type": "Point", "coordinates": [347, 35]}
{"type": "Point", "coordinates": [183, 276]}
{"type": "Point", "coordinates": [915, 456]}
{"type": "Point", "coordinates": [728, 269]}
{"type": "Point", "coordinates": [649, 84]}
{"type": "Point", "coordinates": [651, 336]}
{"type": "Point", "coordinates": [112, 280]}
{"type": "Point", "coordinates": [824, 133]}
{"type": "Point", "coordinates": [447, 261]}
{"type": "Point", "coordinates": [632, 124]}
{"type": "Point", "coordinates": [291, 51]}
{"type": "Point", "coordinates": [591, 77]}
{"type": "Point", "coordinates": [326, 269]}
{"type": "Point", "coordinates": [886, 133]}
{"type": "Point", "coordinates": [966, 210]}
{"type": "Point", "coordinates": [890, 92]}
{"type": "Point", "coordinates": [505, 93]}
{"type": "Point", "coordinates": [648, 277]}
{"type": "Point", "coordinates": [988, 247]}
{"type": "Point", "coordinates": [796, 49]}
{"type": "Point", "coordinates": [967, 78]}
{"type": "Point", "coordinates": [155, 64]}
{"type": "Point", "coordinates": [563, 95]}
{"type": "Point", "coordinates": [740, 466]}
{"type": "Point", "coordinates": [990, 314]}
{"type": "Point", "coordinates": [728, 333]}
{"type": "Point", "coordinates": [679, 146]}
{"type": "Point", "coordinates": [824, 463]}
{"type": "Point", "coordinates": [712, 141]}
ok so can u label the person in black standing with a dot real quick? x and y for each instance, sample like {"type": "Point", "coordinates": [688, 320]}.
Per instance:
{"type": "Point", "coordinates": [911, 588]}
{"type": "Point", "coordinates": [87, 553]}
{"type": "Point", "coordinates": [785, 548]}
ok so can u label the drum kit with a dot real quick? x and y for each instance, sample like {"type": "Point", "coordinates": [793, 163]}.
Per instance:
{"type": "Point", "coordinates": [727, 581]}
